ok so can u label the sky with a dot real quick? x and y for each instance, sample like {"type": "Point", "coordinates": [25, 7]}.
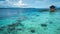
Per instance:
{"type": "Point", "coordinates": [28, 3]}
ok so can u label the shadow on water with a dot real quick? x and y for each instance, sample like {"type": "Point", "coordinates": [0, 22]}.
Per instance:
{"type": "Point", "coordinates": [51, 13]}
{"type": "Point", "coordinates": [43, 10]}
{"type": "Point", "coordinates": [1, 18]}
{"type": "Point", "coordinates": [4, 17]}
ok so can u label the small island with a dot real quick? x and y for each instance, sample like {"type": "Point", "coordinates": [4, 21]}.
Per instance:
{"type": "Point", "coordinates": [52, 8]}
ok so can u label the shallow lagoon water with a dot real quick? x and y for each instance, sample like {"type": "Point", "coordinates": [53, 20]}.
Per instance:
{"type": "Point", "coordinates": [29, 21]}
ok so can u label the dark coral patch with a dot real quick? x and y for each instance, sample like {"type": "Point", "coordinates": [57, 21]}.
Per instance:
{"type": "Point", "coordinates": [44, 25]}
{"type": "Point", "coordinates": [33, 31]}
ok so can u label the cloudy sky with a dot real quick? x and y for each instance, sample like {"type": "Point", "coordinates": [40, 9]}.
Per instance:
{"type": "Point", "coordinates": [28, 3]}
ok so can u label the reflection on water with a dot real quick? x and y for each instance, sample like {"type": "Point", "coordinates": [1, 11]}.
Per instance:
{"type": "Point", "coordinates": [29, 21]}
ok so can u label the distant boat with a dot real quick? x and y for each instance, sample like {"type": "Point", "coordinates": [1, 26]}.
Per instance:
{"type": "Point", "coordinates": [52, 8]}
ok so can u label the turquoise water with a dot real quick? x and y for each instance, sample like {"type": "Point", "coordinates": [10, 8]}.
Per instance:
{"type": "Point", "coordinates": [29, 21]}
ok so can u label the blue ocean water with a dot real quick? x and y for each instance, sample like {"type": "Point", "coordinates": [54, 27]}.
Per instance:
{"type": "Point", "coordinates": [29, 21]}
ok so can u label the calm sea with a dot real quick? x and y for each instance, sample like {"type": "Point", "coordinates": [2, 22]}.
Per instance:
{"type": "Point", "coordinates": [31, 18]}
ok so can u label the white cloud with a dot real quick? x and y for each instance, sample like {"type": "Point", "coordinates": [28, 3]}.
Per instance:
{"type": "Point", "coordinates": [20, 4]}
{"type": "Point", "coordinates": [8, 3]}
